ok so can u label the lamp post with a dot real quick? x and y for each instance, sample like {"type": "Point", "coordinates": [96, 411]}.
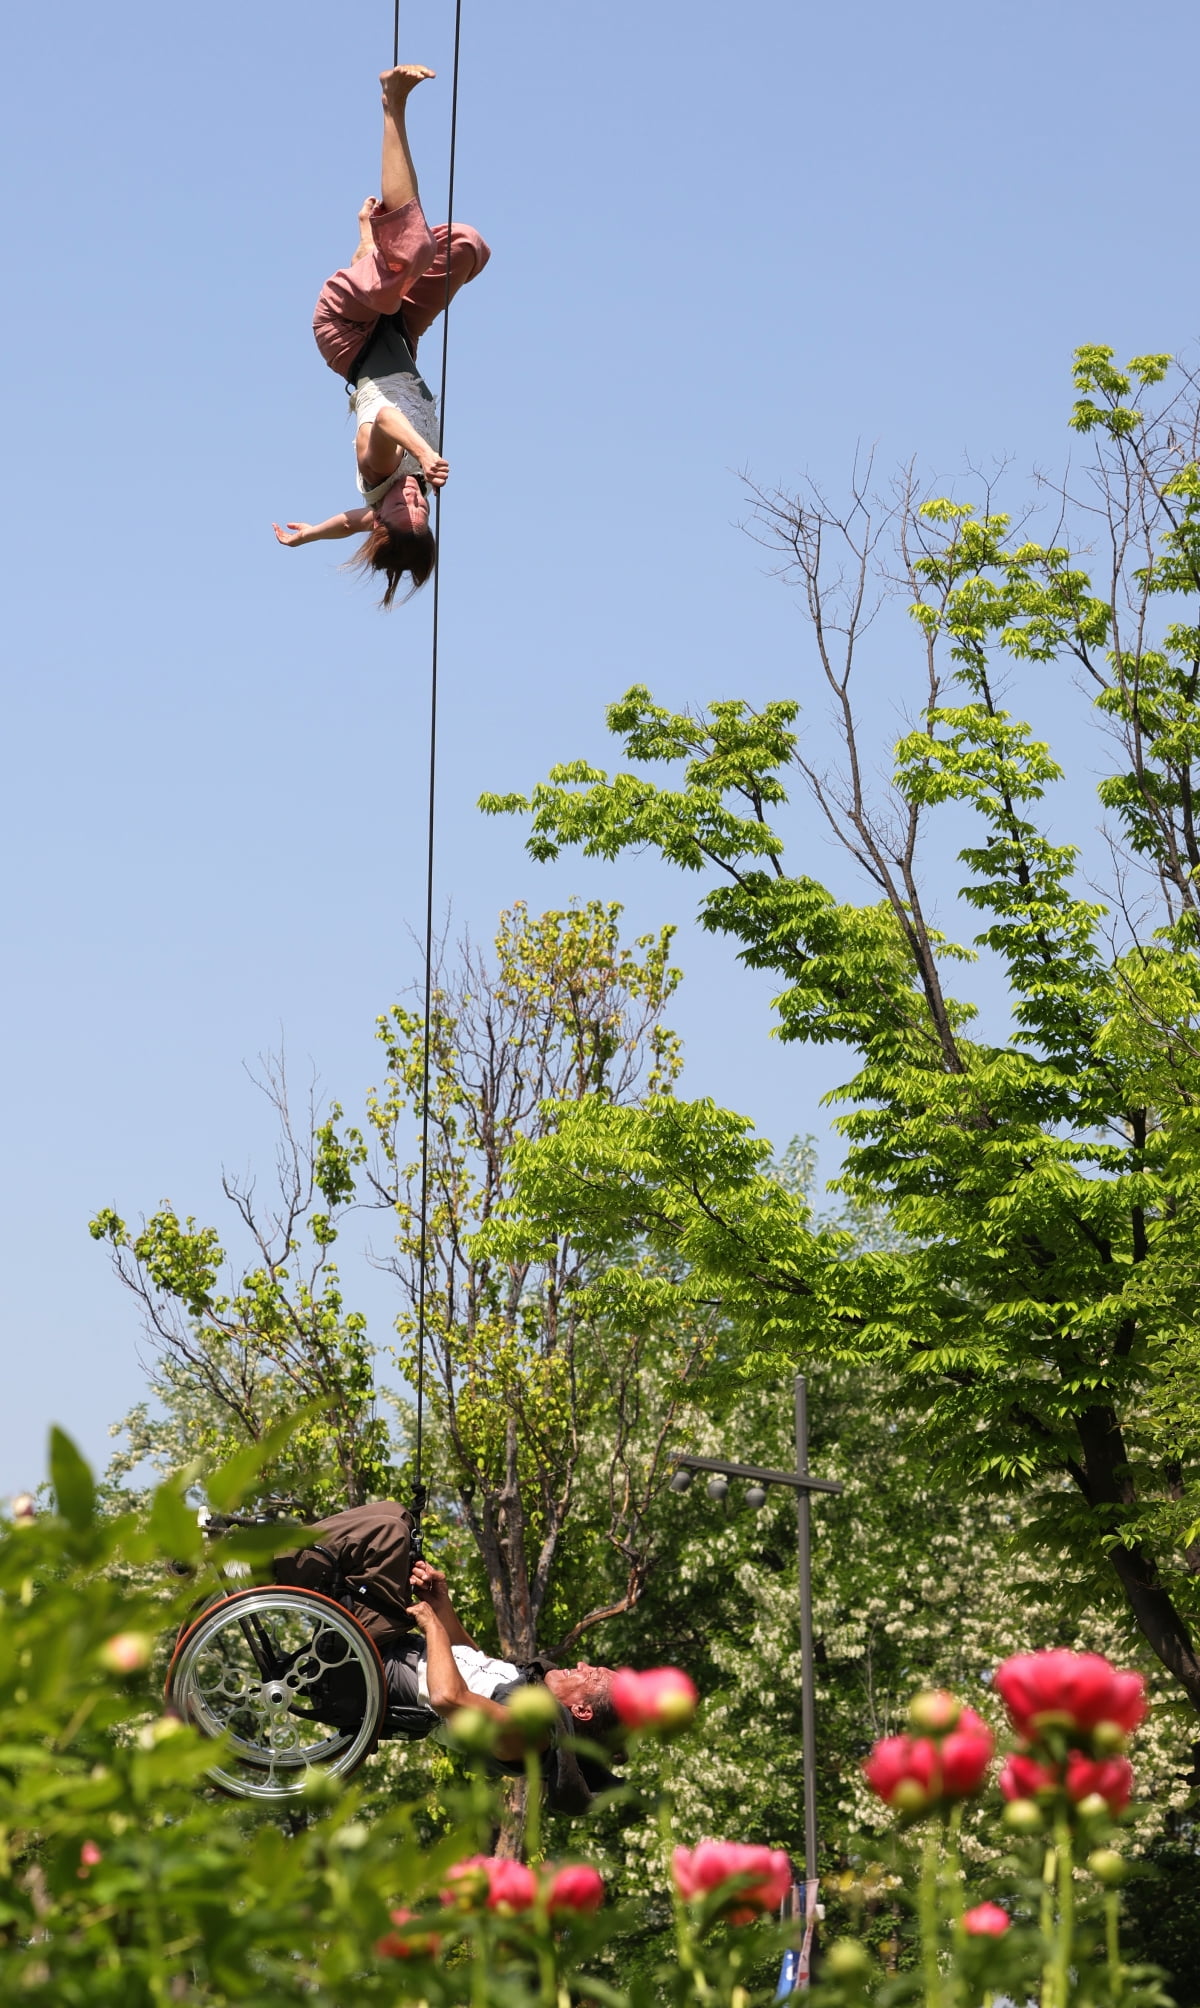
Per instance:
{"type": "Point", "coordinates": [803, 1485]}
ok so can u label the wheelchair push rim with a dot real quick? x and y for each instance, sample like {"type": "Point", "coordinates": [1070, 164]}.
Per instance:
{"type": "Point", "coordinates": [241, 1671]}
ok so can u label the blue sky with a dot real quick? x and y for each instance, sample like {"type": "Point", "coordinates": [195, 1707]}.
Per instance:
{"type": "Point", "coordinates": [724, 240]}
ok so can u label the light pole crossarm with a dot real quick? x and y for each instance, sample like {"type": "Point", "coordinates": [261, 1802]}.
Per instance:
{"type": "Point", "coordinates": [799, 1481]}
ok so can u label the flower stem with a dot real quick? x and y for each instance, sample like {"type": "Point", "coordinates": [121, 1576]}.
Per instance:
{"type": "Point", "coordinates": [1112, 1933]}
{"type": "Point", "coordinates": [928, 1914]}
{"type": "Point", "coordinates": [1065, 1939]}
{"type": "Point", "coordinates": [954, 1864]}
{"type": "Point", "coordinates": [1046, 1920]}
{"type": "Point", "coordinates": [684, 1946]}
{"type": "Point", "coordinates": [533, 1807]}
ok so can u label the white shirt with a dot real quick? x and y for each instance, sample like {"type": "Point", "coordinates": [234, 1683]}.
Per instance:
{"type": "Point", "coordinates": [482, 1673]}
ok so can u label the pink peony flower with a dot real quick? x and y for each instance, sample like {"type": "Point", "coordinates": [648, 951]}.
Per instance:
{"type": "Point", "coordinates": [1075, 1691]}
{"type": "Point", "coordinates": [504, 1886]}
{"type": "Point", "coordinates": [1107, 1778]}
{"type": "Point", "coordinates": [913, 1772]}
{"type": "Point", "coordinates": [511, 1887]}
{"type": "Point", "coordinates": [413, 1945]}
{"type": "Point", "coordinates": [987, 1920]}
{"type": "Point", "coordinates": [663, 1698]}
{"type": "Point", "coordinates": [700, 1871]}
{"type": "Point", "coordinates": [579, 1888]}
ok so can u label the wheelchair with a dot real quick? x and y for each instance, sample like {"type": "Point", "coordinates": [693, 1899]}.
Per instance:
{"type": "Point", "coordinates": [292, 1685]}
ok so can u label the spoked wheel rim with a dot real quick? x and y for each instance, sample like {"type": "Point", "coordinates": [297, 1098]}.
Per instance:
{"type": "Point", "coordinates": [245, 1670]}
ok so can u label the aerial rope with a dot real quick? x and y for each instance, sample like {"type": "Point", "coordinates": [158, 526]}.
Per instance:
{"type": "Point", "coordinates": [419, 1488]}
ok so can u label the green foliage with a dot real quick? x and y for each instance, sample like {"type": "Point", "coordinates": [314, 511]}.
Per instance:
{"type": "Point", "coordinates": [123, 1881]}
{"type": "Point", "coordinates": [1042, 1186]}
{"type": "Point", "coordinates": [524, 1370]}
{"type": "Point", "coordinates": [120, 1880]}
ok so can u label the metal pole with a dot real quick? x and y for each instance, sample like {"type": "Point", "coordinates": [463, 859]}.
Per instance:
{"type": "Point", "coordinates": [808, 1728]}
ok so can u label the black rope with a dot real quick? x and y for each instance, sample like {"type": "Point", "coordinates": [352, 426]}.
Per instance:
{"type": "Point", "coordinates": [396, 35]}
{"type": "Point", "coordinates": [418, 1486]}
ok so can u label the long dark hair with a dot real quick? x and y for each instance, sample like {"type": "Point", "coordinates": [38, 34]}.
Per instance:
{"type": "Point", "coordinates": [398, 553]}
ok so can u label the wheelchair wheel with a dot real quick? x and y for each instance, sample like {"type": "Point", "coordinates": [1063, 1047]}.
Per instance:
{"type": "Point", "coordinates": [289, 1679]}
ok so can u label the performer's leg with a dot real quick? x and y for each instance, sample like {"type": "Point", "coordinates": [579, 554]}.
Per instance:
{"type": "Point", "coordinates": [366, 241]}
{"type": "Point", "coordinates": [398, 176]}
{"type": "Point", "coordinates": [395, 245]}
{"type": "Point", "coordinates": [371, 1542]}
{"type": "Point", "coordinates": [426, 297]}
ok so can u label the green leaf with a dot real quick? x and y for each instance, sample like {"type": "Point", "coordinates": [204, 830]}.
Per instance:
{"type": "Point", "coordinates": [228, 1485]}
{"type": "Point", "coordinates": [174, 1525]}
{"type": "Point", "coordinates": [71, 1477]}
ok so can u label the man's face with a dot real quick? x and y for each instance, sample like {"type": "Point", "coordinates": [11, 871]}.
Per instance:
{"type": "Point", "coordinates": [576, 1685]}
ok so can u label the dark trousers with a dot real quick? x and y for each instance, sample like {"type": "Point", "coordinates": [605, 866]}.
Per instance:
{"type": "Point", "coordinates": [371, 1546]}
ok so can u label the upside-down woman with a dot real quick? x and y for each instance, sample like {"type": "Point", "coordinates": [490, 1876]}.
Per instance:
{"type": "Point", "coordinates": [369, 319]}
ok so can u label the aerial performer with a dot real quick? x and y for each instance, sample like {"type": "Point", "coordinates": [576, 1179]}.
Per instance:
{"type": "Point", "coordinates": [429, 1658]}
{"type": "Point", "coordinates": [368, 321]}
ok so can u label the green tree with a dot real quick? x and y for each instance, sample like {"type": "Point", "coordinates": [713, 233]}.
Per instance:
{"type": "Point", "coordinates": [232, 1359]}
{"type": "Point", "coordinates": [1044, 1183]}
{"type": "Point", "coordinates": [526, 1379]}
{"type": "Point", "coordinates": [535, 1391]}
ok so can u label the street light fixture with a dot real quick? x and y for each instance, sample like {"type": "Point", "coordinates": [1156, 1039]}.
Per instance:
{"type": "Point", "coordinates": [803, 1486]}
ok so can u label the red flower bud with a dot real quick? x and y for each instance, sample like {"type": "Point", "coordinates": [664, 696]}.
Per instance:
{"type": "Point", "coordinates": [903, 1764]}
{"type": "Point", "coordinates": [1107, 1778]}
{"type": "Point", "coordinates": [1075, 1691]}
{"type": "Point", "coordinates": [934, 1711]}
{"type": "Point", "coordinates": [700, 1871]}
{"type": "Point", "coordinates": [410, 1945]}
{"type": "Point", "coordinates": [126, 1652]}
{"type": "Point", "coordinates": [89, 1855]}
{"type": "Point", "coordinates": [578, 1888]}
{"type": "Point", "coordinates": [663, 1698]}
{"type": "Point", "coordinates": [1024, 1778]}
{"type": "Point", "coordinates": [965, 1753]}
{"type": "Point", "coordinates": [987, 1920]}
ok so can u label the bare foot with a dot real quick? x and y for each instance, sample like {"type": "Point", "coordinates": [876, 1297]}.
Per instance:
{"type": "Point", "coordinates": [366, 241]}
{"type": "Point", "coordinates": [398, 84]}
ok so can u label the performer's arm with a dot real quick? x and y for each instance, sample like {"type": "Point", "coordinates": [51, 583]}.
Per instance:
{"type": "Point", "coordinates": [348, 523]}
{"type": "Point", "coordinates": [391, 428]}
{"type": "Point", "coordinates": [448, 1691]}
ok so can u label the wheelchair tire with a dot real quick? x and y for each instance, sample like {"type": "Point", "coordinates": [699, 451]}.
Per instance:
{"type": "Point", "coordinates": [291, 1682]}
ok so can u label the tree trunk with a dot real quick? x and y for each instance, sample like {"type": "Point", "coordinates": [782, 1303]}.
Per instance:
{"type": "Point", "coordinates": [1105, 1482]}
{"type": "Point", "coordinates": [510, 1836]}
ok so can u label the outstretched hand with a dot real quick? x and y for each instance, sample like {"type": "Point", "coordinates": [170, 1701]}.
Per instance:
{"type": "Point", "coordinates": [294, 534]}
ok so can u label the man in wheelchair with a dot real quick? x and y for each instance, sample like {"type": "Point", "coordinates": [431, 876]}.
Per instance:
{"type": "Point", "coordinates": [362, 1558]}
